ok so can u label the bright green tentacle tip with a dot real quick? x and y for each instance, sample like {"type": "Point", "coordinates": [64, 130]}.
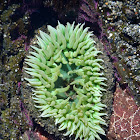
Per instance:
{"type": "Point", "coordinates": [66, 75]}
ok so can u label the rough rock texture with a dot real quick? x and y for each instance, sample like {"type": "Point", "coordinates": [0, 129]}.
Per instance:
{"type": "Point", "coordinates": [13, 32]}
{"type": "Point", "coordinates": [125, 120]}
{"type": "Point", "coordinates": [121, 25]}
{"type": "Point", "coordinates": [14, 120]}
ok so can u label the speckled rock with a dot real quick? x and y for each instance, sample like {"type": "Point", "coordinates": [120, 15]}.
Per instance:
{"type": "Point", "coordinates": [121, 24]}
{"type": "Point", "coordinates": [13, 31]}
{"type": "Point", "coordinates": [13, 121]}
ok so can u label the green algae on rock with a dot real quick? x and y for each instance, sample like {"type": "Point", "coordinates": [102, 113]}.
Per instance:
{"type": "Point", "coordinates": [67, 80]}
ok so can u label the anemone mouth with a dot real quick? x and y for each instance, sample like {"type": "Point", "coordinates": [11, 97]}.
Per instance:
{"type": "Point", "coordinates": [65, 73]}
{"type": "Point", "coordinates": [66, 79]}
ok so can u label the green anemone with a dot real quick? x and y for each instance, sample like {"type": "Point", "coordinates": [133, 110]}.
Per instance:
{"type": "Point", "coordinates": [67, 79]}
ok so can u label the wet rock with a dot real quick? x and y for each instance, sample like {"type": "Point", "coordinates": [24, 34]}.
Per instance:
{"type": "Point", "coordinates": [13, 120]}
{"type": "Point", "coordinates": [133, 30]}
{"type": "Point", "coordinates": [13, 32]}
{"type": "Point", "coordinates": [125, 119]}
{"type": "Point", "coordinates": [121, 24]}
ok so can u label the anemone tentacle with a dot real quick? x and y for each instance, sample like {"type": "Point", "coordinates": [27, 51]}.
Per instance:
{"type": "Point", "coordinates": [67, 79]}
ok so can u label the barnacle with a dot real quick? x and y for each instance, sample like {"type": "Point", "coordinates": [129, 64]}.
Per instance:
{"type": "Point", "coordinates": [67, 80]}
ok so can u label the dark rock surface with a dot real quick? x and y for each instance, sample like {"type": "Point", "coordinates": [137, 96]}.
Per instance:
{"type": "Point", "coordinates": [117, 26]}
